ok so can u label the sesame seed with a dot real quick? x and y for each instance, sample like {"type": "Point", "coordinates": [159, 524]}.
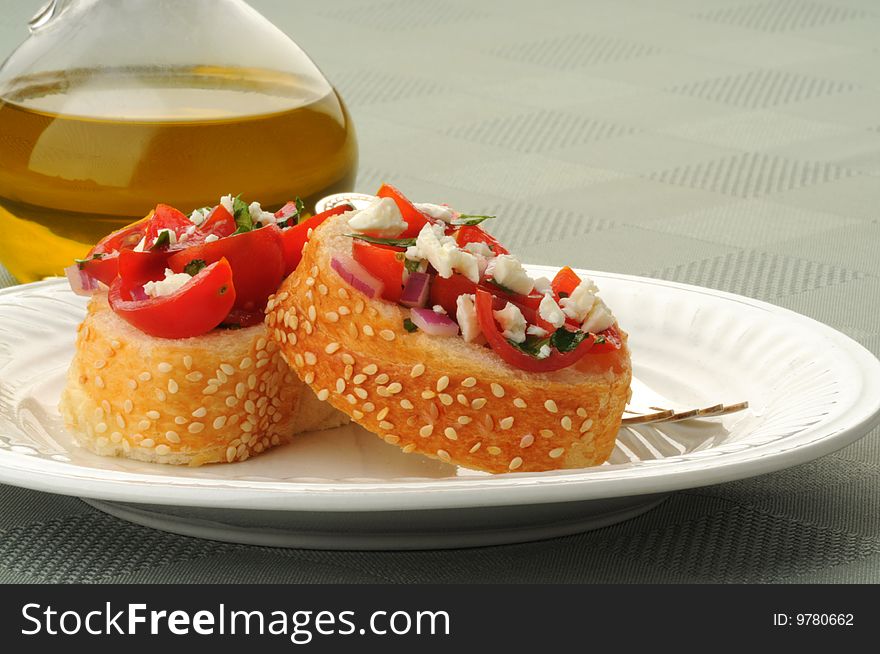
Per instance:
{"type": "Point", "coordinates": [194, 376]}
{"type": "Point", "coordinates": [558, 452]}
{"type": "Point", "coordinates": [387, 334]}
{"type": "Point", "coordinates": [409, 448]}
{"type": "Point", "coordinates": [494, 450]}
{"type": "Point", "coordinates": [546, 433]}
{"type": "Point", "coordinates": [347, 371]}
{"type": "Point", "coordinates": [515, 463]}
{"type": "Point", "coordinates": [382, 391]}
{"type": "Point", "coordinates": [164, 367]}
{"type": "Point", "coordinates": [209, 390]}
{"type": "Point", "coordinates": [427, 395]}
{"type": "Point", "coordinates": [247, 427]}
{"type": "Point", "coordinates": [323, 394]}
{"type": "Point", "coordinates": [582, 412]}
{"type": "Point", "coordinates": [444, 455]}
{"type": "Point", "coordinates": [497, 389]}
{"type": "Point", "coordinates": [479, 403]}
{"type": "Point", "coordinates": [566, 423]}
{"type": "Point", "coordinates": [381, 415]}
{"type": "Point", "coordinates": [116, 437]}
{"type": "Point", "coordinates": [246, 363]}
{"type": "Point", "coordinates": [476, 447]}
{"type": "Point", "coordinates": [219, 422]}
{"type": "Point", "coordinates": [152, 415]}
{"type": "Point", "coordinates": [382, 379]}
{"type": "Point", "coordinates": [462, 400]}
{"type": "Point", "coordinates": [426, 431]}
{"type": "Point", "coordinates": [519, 403]}
{"type": "Point", "coordinates": [143, 425]}
{"type": "Point", "coordinates": [309, 377]}
{"type": "Point", "coordinates": [249, 406]}
{"type": "Point", "coordinates": [585, 425]}
{"type": "Point", "coordinates": [128, 406]}
{"type": "Point", "coordinates": [464, 420]}
{"type": "Point", "coordinates": [344, 310]}
{"type": "Point", "coordinates": [526, 441]}
{"type": "Point", "coordinates": [100, 363]}
{"type": "Point", "coordinates": [145, 376]}
{"type": "Point", "coordinates": [469, 382]}
{"type": "Point", "coordinates": [160, 395]}
{"type": "Point", "coordinates": [173, 386]}
{"type": "Point", "coordinates": [406, 404]}
{"type": "Point", "coordinates": [332, 347]}
{"type": "Point", "coordinates": [322, 289]}
{"type": "Point", "coordinates": [489, 422]}
{"type": "Point", "coordinates": [361, 393]}
{"type": "Point", "coordinates": [101, 427]}
{"type": "Point", "coordinates": [506, 423]}
{"type": "Point", "coordinates": [187, 361]}
{"type": "Point", "coordinates": [172, 437]}
{"type": "Point", "coordinates": [359, 379]}
{"type": "Point", "coordinates": [148, 442]}
{"type": "Point", "coordinates": [310, 281]}
{"type": "Point", "coordinates": [395, 387]}
{"type": "Point", "coordinates": [359, 306]}
{"type": "Point", "coordinates": [384, 424]}
{"type": "Point", "coordinates": [99, 381]}
{"type": "Point", "coordinates": [343, 294]}
{"type": "Point", "coordinates": [391, 439]}
{"type": "Point", "coordinates": [115, 344]}
{"type": "Point", "coordinates": [163, 449]}
{"type": "Point", "coordinates": [230, 454]}
{"type": "Point", "coordinates": [433, 411]}
{"type": "Point", "coordinates": [417, 370]}
{"type": "Point", "coordinates": [310, 358]}
{"type": "Point", "coordinates": [180, 420]}
{"type": "Point", "coordinates": [445, 399]}
{"type": "Point", "coordinates": [291, 338]}
{"type": "Point", "coordinates": [120, 421]}
{"type": "Point", "coordinates": [357, 415]}
{"type": "Point", "coordinates": [371, 369]}
{"type": "Point", "coordinates": [347, 359]}
{"type": "Point", "coordinates": [231, 400]}
{"type": "Point", "coordinates": [222, 377]}
{"type": "Point", "coordinates": [227, 369]}
{"type": "Point", "coordinates": [340, 385]}
{"type": "Point", "coordinates": [252, 381]}
{"type": "Point", "coordinates": [442, 383]}
{"type": "Point", "coordinates": [195, 427]}
{"type": "Point", "coordinates": [550, 405]}
{"type": "Point", "coordinates": [368, 331]}
{"type": "Point", "coordinates": [368, 407]}
{"type": "Point", "coordinates": [298, 360]}
{"type": "Point", "coordinates": [450, 433]}
{"type": "Point", "coordinates": [132, 384]}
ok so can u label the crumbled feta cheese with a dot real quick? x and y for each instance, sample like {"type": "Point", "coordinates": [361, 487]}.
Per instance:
{"type": "Point", "coordinates": [189, 231]}
{"type": "Point", "coordinates": [543, 285]}
{"type": "Point", "coordinates": [507, 271]}
{"type": "Point", "coordinates": [210, 238]}
{"type": "Point", "coordinates": [438, 309]}
{"type": "Point", "coordinates": [260, 216]}
{"type": "Point", "coordinates": [466, 317]}
{"type": "Point", "coordinates": [226, 201]}
{"type": "Point", "coordinates": [475, 247]}
{"type": "Point", "coordinates": [443, 253]}
{"type": "Point", "coordinates": [550, 311]}
{"type": "Point", "coordinates": [581, 300]}
{"type": "Point", "coordinates": [512, 322]}
{"type": "Point", "coordinates": [534, 330]}
{"type": "Point", "coordinates": [142, 245]}
{"type": "Point", "coordinates": [382, 218]}
{"type": "Point", "coordinates": [599, 319]}
{"type": "Point", "coordinates": [436, 211]}
{"type": "Point", "coordinates": [199, 216]}
{"type": "Point", "coordinates": [172, 282]}
{"type": "Point", "coordinates": [544, 351]}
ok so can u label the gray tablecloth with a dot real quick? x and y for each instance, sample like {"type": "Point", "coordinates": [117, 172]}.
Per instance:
{"type": "Point", "coordinates": [729, 143]}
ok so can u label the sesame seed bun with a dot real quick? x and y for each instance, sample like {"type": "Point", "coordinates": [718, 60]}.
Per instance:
{"type": "Point", "coordinates": [442, 397]}
{"type": "Point", "coordinates": [217, 398]}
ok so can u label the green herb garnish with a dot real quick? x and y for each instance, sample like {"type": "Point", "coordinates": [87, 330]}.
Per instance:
{"type": "Point", "coordinates": [409, 325]}
{"type": "Point", "coordinates": [163, 239]}
{"type": "Point", "coordinates": [468, 220]}
{"type": "Point", "coordinates": [600, 340]}
{"type": "Point", "coordinates": [300, 211]}
{"type": "Point", "coordinates": [242, 215]}
{"type": "Point", "coordinates": [82, 262]}
{"type": "Point", "coordinates": [500, 286]}
{"type": "Point", "coordinates": [532, 345]}
{"type": "Point", "coordinates": [194, 267]}
{"type": "Point", "coordinates": [411, 265]}
{"type": "Point", "coordinates": [565, 340]}
{"type": "Point", "coordinates": [393, 242]}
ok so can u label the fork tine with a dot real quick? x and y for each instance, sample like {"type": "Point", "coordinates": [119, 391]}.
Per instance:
{"type": "Point", "coordinates": [668, 415]}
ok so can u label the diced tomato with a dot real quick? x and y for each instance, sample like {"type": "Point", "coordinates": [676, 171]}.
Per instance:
{"type": "Point", "coordinates": [256, 260]}
{"type": "Point", "coordinates": [475, 234]}
{"type": "Point", "coordinates": [414, 218]}
{"type": "Point", "coordinates": [138, 268]}
{"type": "Point", "coordinates": [384, 263]}
{"type": "Point", "coordinates": [294, 237]}
{"type": "Point", "coordinates": [612, 341]}
{"type": "Point", "coordinates": [565, 281]}
{"type": "Point", "coordinates": [194, 309]}
{"type": "Point", "coordinates": [287, 211]}
{"type": "Point", "coordinates": [219, 222]}
{"type": "Point", "coordinates": [445, 291]}
{"type": "Point", "coordinates": [104, 268]}
{"type": "Point", "coordinates": [516, 357]}
{"type": "Point", "coordinates": [166, 217]}
{"type": "Point", "coordinates": [122, 239]}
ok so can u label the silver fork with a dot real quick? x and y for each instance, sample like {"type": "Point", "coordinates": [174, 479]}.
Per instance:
{"type": "Point", "coordinates": [648, 408]}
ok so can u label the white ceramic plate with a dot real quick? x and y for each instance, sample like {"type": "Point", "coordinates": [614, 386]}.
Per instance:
{"type": "Point", "coordinates": [811, 389]}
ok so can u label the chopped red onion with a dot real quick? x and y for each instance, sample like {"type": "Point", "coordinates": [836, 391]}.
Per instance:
{"type": "Point", "coordinates": [356, 275]}
{"type": "Point", "coordinates": [81, 282]}
{"type": "Point", "coordinates": [433, 323]}
{"type": "Point", "coordinates": [415, 291]}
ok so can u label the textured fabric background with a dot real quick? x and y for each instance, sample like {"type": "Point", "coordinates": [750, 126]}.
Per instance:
{"type": "Point", "coordinates": [729, 143]}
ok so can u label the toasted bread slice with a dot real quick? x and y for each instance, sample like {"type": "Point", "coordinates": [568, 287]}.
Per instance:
{"type": "Point", "coordinates": [441, 397]}
{"type": "Point", "coordinates": [221, 397]}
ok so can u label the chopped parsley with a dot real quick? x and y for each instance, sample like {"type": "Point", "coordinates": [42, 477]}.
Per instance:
{"type": "Point", "coordinates": [393, 242]}
{"type": "Point", "coordinates": [532, 345]}
{"type": "Point", "coordinates": [300, 211]}
{"type": "Point", "coordinates": [80, 263]}
{"type": "Point", "coordinates": [242, 215]}
{"type": "Point", "coordinates": [163, 239]}
{"type": "Point", "coordinates": [565, 340]}
{"type": "Point", "coordinates": [500, 286]}
{"type": "Point", "coordinates": [194, 267]}
{"type": "Point", "coordinates": [468, 220]}
{"type": "Point", "coordinates": [409, 325]}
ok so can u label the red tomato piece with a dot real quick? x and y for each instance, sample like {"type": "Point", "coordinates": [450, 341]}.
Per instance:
{"type": "Point", "coordinates": [194, 309]}
{"type": "Point", "coordinates": [138, 268]}
{"type": "Point", "coordinates": [287, 211]}
{"type": "Point", "coordinates": [256, 261]}
{"type": "Point", "coordinates": [219, 222]}
{"type": "Point", "coordinates": [166, 217]}
{"type": "Point", "coordinates": [445, 291]}
{"type": "Point", "coordinates": [104, 268]}
{"type": "Point", "coordinates": [294, 237]}
{"type": "Point", "coordinates": [242, 319]}
{"type": "Point", "coordinates": [475, 234]}
{"type": "Point", "coordinates": [516, 357]}
{"type": "Point", "coordinates": [414, 218]}
{"type": "Point", "coordinates": [565, 281]}
{"type": "Point", "coordinates": [122, 239]}
{"type": "Point", "coordinates": [612, 341]}
{"type": "Point", "coordinates": [384, 263]}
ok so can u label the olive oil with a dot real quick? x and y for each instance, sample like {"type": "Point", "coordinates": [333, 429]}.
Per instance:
{"type": "Point", "coordinates": [84, 152]}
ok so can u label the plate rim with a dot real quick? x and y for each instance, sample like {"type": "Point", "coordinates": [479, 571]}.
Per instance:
{"type": "Point", "coordinates": [67, 478]}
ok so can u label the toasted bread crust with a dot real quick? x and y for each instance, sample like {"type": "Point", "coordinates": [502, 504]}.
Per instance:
{"type": "Point", "coordinates": [440, 397]}
{"type": "Point", "coordinates": [221, 397]}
